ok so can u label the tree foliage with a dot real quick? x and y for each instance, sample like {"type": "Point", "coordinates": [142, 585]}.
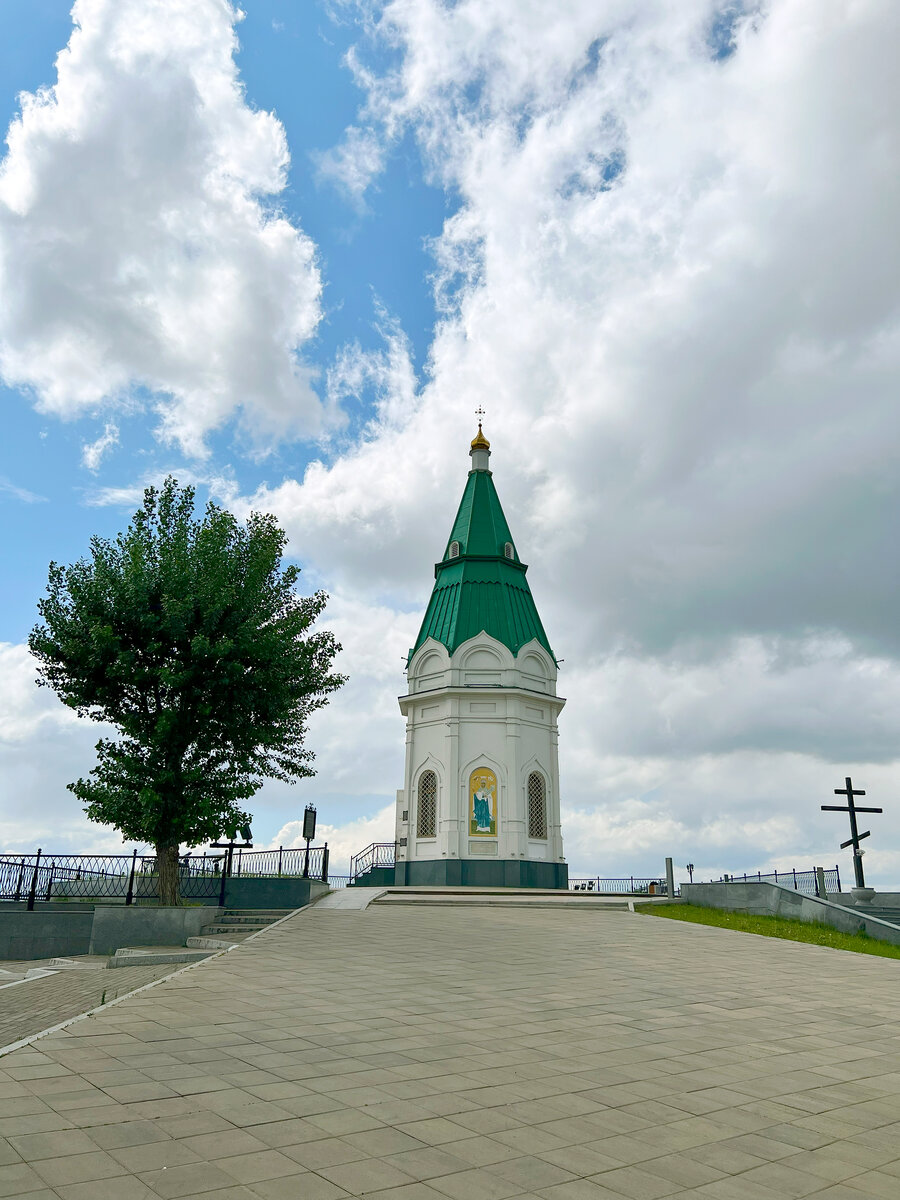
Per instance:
{"type": "Point", "coordinates": [186, 635]}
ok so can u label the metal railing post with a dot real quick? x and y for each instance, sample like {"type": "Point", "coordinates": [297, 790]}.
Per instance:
{"type": "Point", "coordinates": [280, 849]}
{"type": "Point", "coordinates": [325, 864]}
{"type": "Point", "coordinates": [49, 881]}
{"type": "Point", "coordinates": [34, 879]}
{"type": "Point", "coordinates": [21, 879]}
{"type": "Point", "coordinates": [129, 895]}
{"type": "Point", "coordinates": [224, 878]}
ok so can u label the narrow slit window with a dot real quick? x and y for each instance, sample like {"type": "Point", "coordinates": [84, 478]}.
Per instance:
{"type": "Point", "coordinates": [426, 809]}
{"type": "Point", "coordinates": [537, 807]}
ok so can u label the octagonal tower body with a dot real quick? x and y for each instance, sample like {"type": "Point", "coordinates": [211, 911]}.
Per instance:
{"type": "Point", "coordinates": [480, 800]}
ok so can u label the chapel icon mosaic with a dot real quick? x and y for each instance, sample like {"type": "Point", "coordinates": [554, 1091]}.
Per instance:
{"type": "Point", "coordinates": [483, 803]}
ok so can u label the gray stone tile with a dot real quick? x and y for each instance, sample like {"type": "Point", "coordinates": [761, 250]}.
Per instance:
{"type": "Point", "coordinates": [259, 1166]}
{"type": "Point", "coordinates": [188, 1180]}
{"type": "Point", "coordinates": [78, 1168]}
{"type": "Point", "coordinates": [314, 1187]}
{"type": "Point", "coordinates": [475, 1185]}
{"type": "Point", "coordinates": [19, 1178]}
{"type": "Point", "coordinates": [34, 1146]}
{"type": "Point", "coordinates": [365, 1175]}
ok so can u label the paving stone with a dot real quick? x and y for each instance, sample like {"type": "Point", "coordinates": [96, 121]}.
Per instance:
{"type": "Point", "coordinates": [78, 1168]}
{"type": "Point", "coordinates": [34, 1146]}
{"type": "Point", "coordinates": [188, 1180]}
{"type": "Point", "coordinates": [18, 1178]}
{"type": "Point", "coordinates": [314, 1187]}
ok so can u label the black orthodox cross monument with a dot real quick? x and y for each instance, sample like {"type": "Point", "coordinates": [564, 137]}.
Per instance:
{"type": "Point", "coordinates": [855, 836]}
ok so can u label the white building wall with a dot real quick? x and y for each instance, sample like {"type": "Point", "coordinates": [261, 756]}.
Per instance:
{"type": "Point", "coordinates": [481, 708]}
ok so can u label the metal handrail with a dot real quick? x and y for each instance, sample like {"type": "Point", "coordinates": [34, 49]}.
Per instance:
{"type": "Point", "coordinates": [626, 885]}
{"type": "Point", "coordinates": [377, 854]}
{"type": "Point", "coordinates": [801, 881]}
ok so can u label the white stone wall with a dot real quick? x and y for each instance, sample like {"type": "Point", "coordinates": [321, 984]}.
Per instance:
{"type": "Point", "coordinates": [481, 708]}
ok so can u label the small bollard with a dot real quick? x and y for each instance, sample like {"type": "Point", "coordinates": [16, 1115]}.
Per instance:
{"type": "Point", "coordinates": [820, 883]}
{"type": "Point", "coordinates": [670, 879]}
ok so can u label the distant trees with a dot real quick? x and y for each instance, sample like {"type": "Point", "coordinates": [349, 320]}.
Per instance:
{"type": "Point", "coordinates": [185, 634]}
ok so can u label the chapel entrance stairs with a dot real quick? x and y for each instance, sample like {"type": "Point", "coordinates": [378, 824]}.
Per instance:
{"type": "Point", "coordinates": [521, 898]}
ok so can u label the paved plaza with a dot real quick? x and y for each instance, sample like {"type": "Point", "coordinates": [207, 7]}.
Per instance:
{"type": "Point", "coordinates": [420, 1052]}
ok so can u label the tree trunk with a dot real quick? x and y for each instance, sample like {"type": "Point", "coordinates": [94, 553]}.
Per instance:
{"type": "Point", "coordinates": [167, 866]}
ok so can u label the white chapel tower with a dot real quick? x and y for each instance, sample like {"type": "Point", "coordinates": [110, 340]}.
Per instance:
{"type": "Point", "coordinates": [480, 799]}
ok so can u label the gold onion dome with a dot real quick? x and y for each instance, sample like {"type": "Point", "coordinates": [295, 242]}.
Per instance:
{"type": "Point", "coordinates": [479, 441]}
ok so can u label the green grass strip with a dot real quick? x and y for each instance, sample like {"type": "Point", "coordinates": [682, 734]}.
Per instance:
{"type": "Point", "coordinates": [779, 927]}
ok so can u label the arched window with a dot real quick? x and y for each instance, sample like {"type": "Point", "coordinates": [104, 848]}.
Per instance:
{"type": "Point", "coordinates": [508, 551]}
{"type": "Point", "coordinates": [453, 552]}
{"type": "Point", "coordinates": [537, 806]}
{"type": "Point", "coordinates": [426, 809]}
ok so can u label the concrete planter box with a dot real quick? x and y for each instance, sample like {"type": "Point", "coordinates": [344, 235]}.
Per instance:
{"type": "Point", "coordinates": [115, 926]}
{"type": "Point", "coordinates": [44, 933]}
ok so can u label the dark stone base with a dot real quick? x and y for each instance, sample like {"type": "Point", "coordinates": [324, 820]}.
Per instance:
{"type": "Point", "coordinates": [266, 892]}
{"type": "Point", "coordinates": [377, 877]}
{"type": "Point", "coordinates": [469, 872]}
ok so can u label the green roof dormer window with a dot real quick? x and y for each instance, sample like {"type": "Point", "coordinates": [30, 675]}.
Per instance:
{"type": "Point", "coordinates": [453, 552]}
{"type": "Point", "coordinates": [508, 551]}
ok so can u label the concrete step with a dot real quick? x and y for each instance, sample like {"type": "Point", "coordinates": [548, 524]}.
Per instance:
{"type": "Point", "coordinates": [870, 910]}
{"type": "Point", "coordinates": [210, 943]}
{"type": "Point", "coordinates": [86, 962]}
{"type": "Point", "coordinates": [246, 923]}
{"type": "Point", "coordinates": [269, 914]}
{"type": "Point", "coordinates": [221, 927]}
{"type": "Point", "coordinates": [151, 956]}
{"type": "Point", "coordinates": [503, 897]}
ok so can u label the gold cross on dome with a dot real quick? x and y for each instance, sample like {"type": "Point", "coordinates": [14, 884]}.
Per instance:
{"type": "Point", "coordinates": [479, 413]}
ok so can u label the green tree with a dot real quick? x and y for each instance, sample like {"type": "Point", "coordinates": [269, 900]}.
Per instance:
{"type": "Point", "coordinates": [188, 637]}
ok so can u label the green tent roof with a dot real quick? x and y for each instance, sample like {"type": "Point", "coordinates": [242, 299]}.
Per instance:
{"type": "Point", "coordinates": [481, 588]}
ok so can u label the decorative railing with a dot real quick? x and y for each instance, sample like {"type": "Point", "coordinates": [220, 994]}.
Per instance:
{"type": "Point", "coordinates": [126, 877]}
{"type": "Point", "coordinates": [133, 877]}
{"type": "Point", "coordinates": [632, 885]}
{"type": "Point", "coordinates": [801, 881]}
{"type": "Point", "coordinates": [308, 863]}
{"type": "Point", "coordinates": [378, 854]}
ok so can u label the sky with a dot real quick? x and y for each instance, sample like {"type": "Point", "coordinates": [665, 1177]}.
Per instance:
{"type": "Point", "coordinates": [285, 252]}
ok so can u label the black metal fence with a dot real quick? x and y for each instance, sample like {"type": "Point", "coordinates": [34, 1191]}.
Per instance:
{"type": "Point", "coordinates": [801, 881]}
{"type": "Point", "coordinates": [290, 861]}
{"type": "Point", "coordinates": [129, 878]}
{"type": "Point", "coordinates": [124, 877]}
{"type": "Point", "coordinates": [629, 885]}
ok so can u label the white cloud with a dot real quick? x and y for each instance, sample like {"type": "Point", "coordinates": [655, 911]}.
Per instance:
{"type": "Point", "coordinates": [354, 164]}
{"type": "Point", "coordinates": [8, 488]}
{"type": "Point", "coordinates": [43, 746]}
{"type": "Point", "coordinates": [92, 453]}
{"type": "Point", "coordinates": [139, 247]}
